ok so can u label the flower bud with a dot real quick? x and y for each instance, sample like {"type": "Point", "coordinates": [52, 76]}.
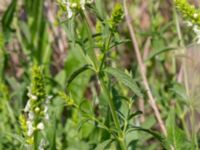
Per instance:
{"type": "Point", "coordinates": [40, 126]}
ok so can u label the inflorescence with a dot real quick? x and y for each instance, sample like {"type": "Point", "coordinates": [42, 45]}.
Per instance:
{"type": "Point", "coordinates": [73, 6]}
{"type": "Point", "coordinates": [36, 110]}
{"type": "Point", "coordinates": [191, 14]}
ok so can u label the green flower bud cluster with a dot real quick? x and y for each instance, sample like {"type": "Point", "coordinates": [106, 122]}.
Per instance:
{"type": "Point", "coordinates": [37, 88]}
{"type": "Point", "coordinates": [116, 16]}
{"type": "Point", "coordinates": [188, 11]}
{"type": "Point", "coordinates": [68, 100]}
{"type": "Point", "coordinates": [36, 107]}
{"type": "Point", "coordinates": [24, 127]}
{"type": "Point", "coordinates": [192, 16]}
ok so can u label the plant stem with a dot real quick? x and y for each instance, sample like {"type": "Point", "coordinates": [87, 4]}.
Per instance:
{"type": "Point", "coordinates": [36, 140]}
{"type": "Point", "coordinates": [113, 113]}
{"type": "Point", "coordinates": [120, 139]}
{"type": "Point", "coordinates": [184, 51]}
{"type": "Point", "coordinates": [111, 104]}
{"type": "Point", "coordinates": [194, 135]}
{"type": "Point", "coordinates": [106, 47]}
{"type": "Point", "coordinates": [182, 117]}
{"type": "Point", "coordinates": [152, 101]}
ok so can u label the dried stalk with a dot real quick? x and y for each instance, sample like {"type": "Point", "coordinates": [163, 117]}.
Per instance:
{"type": "Point", "coordinates": [142, 71]}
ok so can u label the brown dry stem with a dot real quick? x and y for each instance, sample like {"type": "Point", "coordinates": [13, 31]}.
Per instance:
{"type": "Point", "coordinates": [152, 101]}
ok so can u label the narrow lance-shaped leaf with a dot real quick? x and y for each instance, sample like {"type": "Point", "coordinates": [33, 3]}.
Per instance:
{"type": "Point", "coordinates": [176, 136]}
{"type": "Point", "coordinates": [156, 135]}
{"type": "Point", "coordinates": [76, 73]}
{"type": "Point", "coordinates": [158, 52]}
{"type": "Point", "coordinates": [8, 16]}
{"type": "Point", "coordinates": [104, 145]}
{"type": "Point", "coordinates": [125, 79]}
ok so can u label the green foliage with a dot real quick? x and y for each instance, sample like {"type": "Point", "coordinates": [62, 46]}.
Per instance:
{"type": "Point", "coordinates": [176, 136]}
{"type": "Point", "coordinates": [69, 101]}
{"type": "Point", "coordinates": [84, 91]}
{"type": "Point", "coordinates": [8, 18]}
{"type": "Point", "coordinates": [125, 79]}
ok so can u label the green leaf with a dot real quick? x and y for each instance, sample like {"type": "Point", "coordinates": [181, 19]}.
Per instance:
{"type": "Point", "coordinates": [133, 144]}
{"type": "Point", "coordinates": [8, 16]}
{"type": "Point", "coordinates": [156, 135]}
{"type": "Point", "coordinates": [76, 73]}
{"type": "Point", "coordinates": [116, 43]}
{"type": "Point", "coordinates": [86, 108]}
{"type": "Point", "coordinates": [179, 91]}
{"type": "Point", "coordinates": [125, 79]}
{"type": "Point", "coordinates": [176, 136]}
{"type": "Point", "coordinates": [158, 52]}
{"type": "Point", "coordinates": [2, 57]}
{"type": "Point", "coordinates": [51, 133]}
{"type": "Point", "coordinates": [12, 135]}
{"type": "Point", "coordinates": [135, 114]}
{"type": "Point", "coordinates": [104, 144]}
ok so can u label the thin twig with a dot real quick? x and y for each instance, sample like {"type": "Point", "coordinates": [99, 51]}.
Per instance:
{"type": "Point", "coordinates": [142, 71]}
{"type": "Point", "coordinates": [180, 75]}
{"type": "Point", "coordinates": [146, 48]}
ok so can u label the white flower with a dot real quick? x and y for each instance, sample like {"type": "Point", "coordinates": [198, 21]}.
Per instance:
{"type": "Point", "coordinates": [30, 127]}
{"type": "Point", "coordinates": [197, 32]}
{"type": "Point", "coordinates": [42, 144]}
{"type": "Point", "coordinates": [74, 5]}
{"type": "Point", "coordinates": [70, 5]}
{"type": "Point", "coordinates": [37, 109]}
{"type": "Point", "coordinates": [46, 117]}
{"type": "Point", "coordinates": [40, 126]}
{"type": "Point", "coordinates": [29, 94]}
{"type": "Point", "coordinates": [198, 40]}
{"type": "Point", "coordinates": [45, 109]}
{"type": "Point", "coordinates": [31, 115]}
{"type": "Point", "coordinates": [189, 24]}
{"type": "Point", "coordinates": [82, 3]}
{"type": "Point", "coordinates": [27, 107]}
{"type": "Point", "coordinates": [46, 113]}
{"type": "Point", "coordinates": [48, 99]}
{"type": "Point", "coordinates": [90, 1]}
{"type": "Point", "coordinates": [33, 97]}
{"type": "Point", "coordinates": [195, 15]}
{"type": "Point", "coordinates": [196, 29]}
{"type": "Point", "coordinates": [69, 10]}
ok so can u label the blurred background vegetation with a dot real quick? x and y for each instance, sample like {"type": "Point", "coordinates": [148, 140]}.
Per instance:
{"type": "Point", "coordinates": [30, 33]}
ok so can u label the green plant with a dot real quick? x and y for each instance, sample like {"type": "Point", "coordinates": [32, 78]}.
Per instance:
{"type": "Point", "coordinates": [96, 75]}
{"type": "Point", "coordinates": [106, 28]}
